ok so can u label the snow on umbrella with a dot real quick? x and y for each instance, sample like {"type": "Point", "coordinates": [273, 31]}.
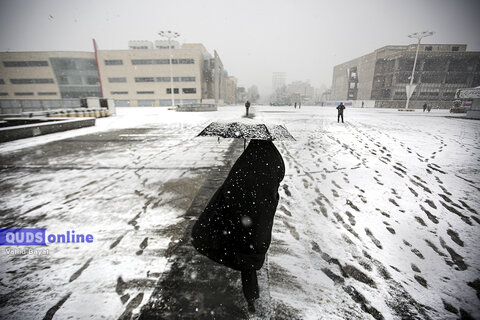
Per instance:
{"type": "Point", "coordinates": [260, 131]}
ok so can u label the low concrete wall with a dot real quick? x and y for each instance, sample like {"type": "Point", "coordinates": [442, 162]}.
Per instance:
{"type": "Point", "coordinates": [473, 114]}
{"type": "Point", "coordinates": [415, 104]}
{"type": "Point", "coordinates": [197, 108]}
{"type": "Point", "coordinates": [31, 105]}
{"type": "Point", "coordinates": [350, 103]}
{"type": "Point", "coordinates": [46, 127]}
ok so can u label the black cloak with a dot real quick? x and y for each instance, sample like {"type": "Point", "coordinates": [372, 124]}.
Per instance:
{"type": "Point", "coordinates": [235, 229]}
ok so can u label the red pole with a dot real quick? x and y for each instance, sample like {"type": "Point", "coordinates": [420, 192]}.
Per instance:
{"type": "Point", "coordinates": [98, 66]}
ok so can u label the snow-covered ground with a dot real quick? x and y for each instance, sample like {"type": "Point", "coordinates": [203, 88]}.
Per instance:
{"type": "Point", "coordinates": [378, 217]}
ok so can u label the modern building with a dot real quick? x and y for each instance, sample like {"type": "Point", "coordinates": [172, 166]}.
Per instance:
{"type": "Point", "coordinates": [230, 89]}
{"type": "Point", "coordinates": [384, 74]}
{"type": "Point", "coordinates": [302, 92]}
{"type": "Point", "coordinates": [278, 80]}
{"type": "Point", "coordinates": [48, 75]}
{"type": "Point", "coordinates": [139, 76]}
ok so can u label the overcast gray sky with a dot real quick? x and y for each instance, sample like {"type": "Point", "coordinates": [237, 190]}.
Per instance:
{"type": "Point", "coordinates": [304, 38]}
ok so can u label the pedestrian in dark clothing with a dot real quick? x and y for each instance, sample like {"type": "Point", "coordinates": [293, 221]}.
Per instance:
{"type": "Point", "coordinates": [247, 106]}
{"type": "Point", "coordinates": [299, 105]}
{"type": "Point", "coordinates": [235, 228]}
{"type": "Point", "coordinates": [424, 107]}
{"type": "Point", "coordinates": [295, 105]}
{"type": "Point", "coordinates": [340, 109]}
{"type": "Point", "coordinates": [429, 108]}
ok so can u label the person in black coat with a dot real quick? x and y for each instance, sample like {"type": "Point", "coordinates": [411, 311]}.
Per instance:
{"type": "Point", "coordinates": [235, 228]}
{"type": "Point", "coordinates": [247, 106]}
{"type": "Point", "coordinates": [340, 109]}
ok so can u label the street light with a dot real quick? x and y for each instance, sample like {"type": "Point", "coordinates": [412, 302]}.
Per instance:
{"type": "Point", "coordinates": [418, 36]}
{"type": "Point", "coordinates": [170, 35]}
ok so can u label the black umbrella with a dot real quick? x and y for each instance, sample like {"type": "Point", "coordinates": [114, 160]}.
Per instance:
{"type": "Point", "coordinates": [259, 131]}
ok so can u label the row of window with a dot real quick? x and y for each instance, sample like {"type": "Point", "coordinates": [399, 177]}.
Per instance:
{"type": "Point", "coordinates": [119, 62]}
{"type": "Point", "coordinates": [168, 91]}
{"type": "Point", "coordinates": [14, 64]}
{"type": "Point", "coordinates": [152, 79]}
{"type": "Point", "coordinates": [151, 102]}
{"type": "Point", "coordinates": [31, 81]}
{"type": "Point", "coordinates": [94, 80]}
{"type": "Point", "coordinates": [111, 62]}
{"type": "Point", "coordinates": [430, 48]}
{"type": "Point", "coordinates": [164, 79]}
{"type": "Point", "coordinates": [3, 94]}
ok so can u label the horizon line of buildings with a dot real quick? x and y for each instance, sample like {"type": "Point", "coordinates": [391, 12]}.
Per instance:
{"type": "Point", "coordinates": [138, 76]}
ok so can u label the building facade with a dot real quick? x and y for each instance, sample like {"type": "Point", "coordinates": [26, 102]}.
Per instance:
{"type": "Point", "coordinates": [278, 80]}
{"type": "Point", "coordinates": [139, 76]}
{"type": "Point", "coordinates": [384, 74]}
{"type": "Point", "coordinates": [48, 75]}
{"type": "Point", "coordinates": [302, 92]}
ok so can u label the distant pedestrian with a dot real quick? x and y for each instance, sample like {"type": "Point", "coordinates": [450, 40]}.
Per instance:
{"type": "Point", "coordinates": [424, 107]}
{"type": "Point", "coordinates": [247, 106]}
{"type": "Point", "coordinates": [299, 105]}
{"type": "Point", "coordinates": [340, 109]}
{"type": "Point", "coordinates": [235, 229]}
{"type": "Point", "coordinates": [295, 105]}
{"type": "Point", "coordinates": [429, 108]}
{"type": "Point", "coordinates": [363, 103]}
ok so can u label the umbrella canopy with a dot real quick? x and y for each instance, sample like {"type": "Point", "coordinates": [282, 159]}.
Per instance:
{"type": "Point", "coordinates": [259, 131]}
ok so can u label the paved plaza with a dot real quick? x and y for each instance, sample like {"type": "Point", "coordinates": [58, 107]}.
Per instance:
{"type": "Point", "coordinates": [378, 218]}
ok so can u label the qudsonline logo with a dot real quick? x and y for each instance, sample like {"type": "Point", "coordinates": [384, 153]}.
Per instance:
{"type": "Point", "coordinates": [40, 237]}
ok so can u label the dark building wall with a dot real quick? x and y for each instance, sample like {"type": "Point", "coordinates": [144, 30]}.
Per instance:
{"type": "Point", "coordinates": [437, 75]}
{"type": "Point", "coordinates": [384, 74]}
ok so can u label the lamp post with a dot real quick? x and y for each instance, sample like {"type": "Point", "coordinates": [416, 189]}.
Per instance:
{"type": "Point", "coordinates": [418, 36]}
{"type": "Point", "coordinates": [170, 35]}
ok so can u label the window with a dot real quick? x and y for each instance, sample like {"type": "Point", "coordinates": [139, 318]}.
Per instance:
{"type": "Point", "coordinates": [146, 103]}
{"type": "Point", "coordinates": [455, 48]}
{"type": "Point", "coordinates": [189, 90]}
{"type": "Point", "coordinates": [2, 94]}
{"type": "Point", "coordinates": [31, 81]}
{"type": "Point", "coordinates": [47, 93]}
{"type": "Point", "coordinates": [92, 80]}
{"type": "Point", "coordinates": [144, 79]}
{"type": "Point", "coordinates": [24, 93]}
{"type": "Point", "coordinates": [432, 77]}
{"type": "Point", "coordinates": [122, 103]}
{"type": "Point", "coordinates": [144, 92]}
{"type": "Point", "coordinates": [453, 77]}
{"type": "Point", "coordinates": [2, 81]}
{"type": "Point", "coordinates": [117, 80]}
{"type": "Point", "coordinates": [428, 48]}
{"type": "Point", "coordinates": [113, 62]}
{"type": "Point", "coordinates": [459, 65]}
{"type": "Point", "coordinates": [183, 61]}
{"type": "Point", "coordinates": [188, 79]}
{"type": "Point", "coordinates": [162, 79]}
{"type": "Point", "coordinates": [169, 90]}
{"type": "Point", "coordinates": [119, 92]}
{"type": "Point", "coordinates": [13, 64]}
{"type": "Point", "coordinates": [168, 102]}
{"type": "Point", "coordinates": [162, 61]}
{"type": "Point", "coordinates": [150, 61]}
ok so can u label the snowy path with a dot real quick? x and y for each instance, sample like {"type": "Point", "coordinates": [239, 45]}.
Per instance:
{"type": "Point", "coordinates": [378, 217]}
{"type": "Point", "coordinates": [127, 187]}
